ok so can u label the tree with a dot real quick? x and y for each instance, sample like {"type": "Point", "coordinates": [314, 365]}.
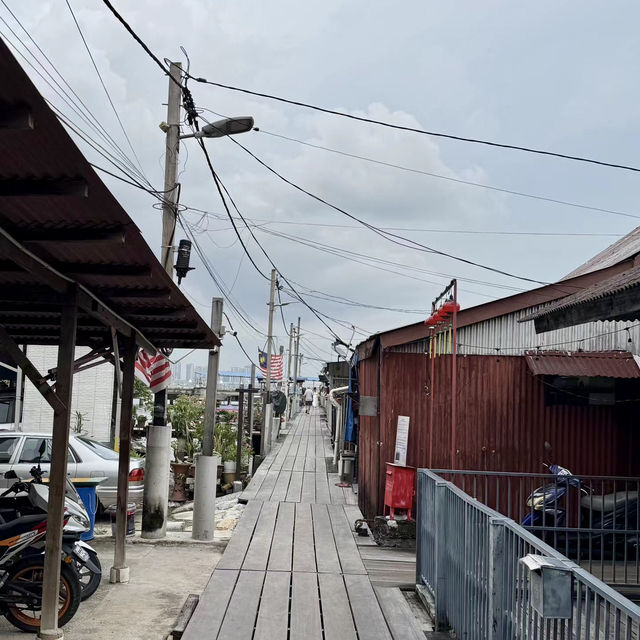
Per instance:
{"type": "Point", "coordinates": [187, 421]}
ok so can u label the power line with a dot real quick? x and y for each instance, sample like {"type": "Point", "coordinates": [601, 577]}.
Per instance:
{"type": "Point", "coordinates": [95, 66]}
{"type": "Point", "coordinates": [435, 134]}
{"type": "Point", "coordinates": [469, 183]}
{"type": "Point", "coordinates": [385, 234]}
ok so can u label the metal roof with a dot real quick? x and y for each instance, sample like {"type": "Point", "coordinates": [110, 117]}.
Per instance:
{"type": "Point", "coordinates": [607, 364]}
{"type": "Point", "coordinates": [56, 213]}
{"type": "Point", "coordinates": [610, 291]}
{"type": "Point", "coordinates": [623, 249]}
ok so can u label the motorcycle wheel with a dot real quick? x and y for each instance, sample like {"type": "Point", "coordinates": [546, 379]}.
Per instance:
{"type": "Point", "coordinates": [27, 617]}
{"type": "Point", "coordinates": [89, 580]}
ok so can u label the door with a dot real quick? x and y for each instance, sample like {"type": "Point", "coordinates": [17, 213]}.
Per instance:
{"type": "Point", "coordinates": [29, 455]}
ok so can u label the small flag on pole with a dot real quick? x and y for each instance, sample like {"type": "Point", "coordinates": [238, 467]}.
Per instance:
{"type": "Point", "coordinates": [276, 365]}
{"type": "Point", "coordinates": [154, 371]}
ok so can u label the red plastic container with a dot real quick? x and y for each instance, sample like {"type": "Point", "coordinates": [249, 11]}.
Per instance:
{"type": "Point", "coordinates": [399, 488]}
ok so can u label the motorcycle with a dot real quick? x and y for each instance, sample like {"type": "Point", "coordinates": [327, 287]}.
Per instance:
{"type": "Point", "coordinates": [608, 524]}
{"type": "Point", "coordinates": [21, 572]}
{"type": "Point", "coordinates": [74, 550]}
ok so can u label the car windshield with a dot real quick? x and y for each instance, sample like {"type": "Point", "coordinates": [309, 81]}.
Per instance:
{"type": "Point", "coordinates": [100, 449]}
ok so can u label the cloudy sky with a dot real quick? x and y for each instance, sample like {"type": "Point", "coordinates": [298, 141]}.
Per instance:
{"type": "Point", "coordinates": [556, 76]}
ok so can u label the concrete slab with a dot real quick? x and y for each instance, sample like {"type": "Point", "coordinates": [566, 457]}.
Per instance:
{"type": "Point", "coordinates": [146, 607]}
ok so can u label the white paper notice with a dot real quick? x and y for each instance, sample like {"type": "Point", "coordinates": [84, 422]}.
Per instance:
{"type": "Point", "coordinates": [402, 441]}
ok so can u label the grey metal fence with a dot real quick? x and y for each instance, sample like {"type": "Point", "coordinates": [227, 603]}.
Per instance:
{"type": "Point", "coordinates": [468, 559]}
{"type": "Point", "coordinates": [594, 521]}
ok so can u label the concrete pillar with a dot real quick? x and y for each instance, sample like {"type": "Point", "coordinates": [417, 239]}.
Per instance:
{"type": "Point", "coordinates": [204, 517]}
{"type": "Point", "coordinates": [156, 482]}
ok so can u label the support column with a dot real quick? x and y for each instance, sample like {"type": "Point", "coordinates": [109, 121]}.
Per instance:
{"type": "Point", "coordinates": [240, 435]}
{"type": "Point", "coordinates": [156, 482]}
{"type": "Point", "coordinates": [120, 570]}
{"type": "Point", "coordinates": [58, 473]}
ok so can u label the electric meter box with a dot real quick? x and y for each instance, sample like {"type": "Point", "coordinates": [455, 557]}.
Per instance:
{"type": "Point", "coordinates": [550, 586]}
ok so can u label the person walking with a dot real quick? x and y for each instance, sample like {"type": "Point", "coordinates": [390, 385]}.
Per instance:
{"type": "Point", "coordinates": [308, 399]}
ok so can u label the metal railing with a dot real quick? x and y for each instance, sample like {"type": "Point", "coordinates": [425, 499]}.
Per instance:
{"type": "Point", "coordinates": [595, 522]}
{"type": "Point", "coordinates": [468, 560]}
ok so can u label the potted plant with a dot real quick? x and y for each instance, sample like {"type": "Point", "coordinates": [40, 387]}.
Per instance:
{"type": "Point", "coordinates": [187, 422]}
{"type": "Point", "coordinates": [225, 444]}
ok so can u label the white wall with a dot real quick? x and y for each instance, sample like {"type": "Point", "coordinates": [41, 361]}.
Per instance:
{"type": "Point", "coordinates": [92, 395]}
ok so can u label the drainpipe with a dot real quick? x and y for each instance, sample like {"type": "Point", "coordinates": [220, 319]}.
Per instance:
{"type": "Point", "coordinates": [338, 405]}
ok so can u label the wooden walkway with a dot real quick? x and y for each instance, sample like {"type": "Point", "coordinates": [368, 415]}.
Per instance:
{"type": "Point", "coordinates": [292, 570]}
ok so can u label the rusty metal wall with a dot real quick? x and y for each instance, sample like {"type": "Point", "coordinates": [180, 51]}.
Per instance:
{"type": "Point", "coordinates": [368, 457]}
{"type": "Point", "coordinates": [502, 422]}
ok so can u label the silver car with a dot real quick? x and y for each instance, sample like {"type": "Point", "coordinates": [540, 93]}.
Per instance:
{"type": "Point", "coordinates": [87, 459]}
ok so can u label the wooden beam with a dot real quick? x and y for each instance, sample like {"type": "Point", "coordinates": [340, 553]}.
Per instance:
{"type": "Point", "coordinates": [129, 353]}
{"type": "Point", "coordinates": [10, 347]}
{"type": "Point", "coordinates": [58, 472]}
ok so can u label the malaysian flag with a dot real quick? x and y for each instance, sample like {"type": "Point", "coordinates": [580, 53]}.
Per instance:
{"type": "Point", "coordinates": [276, 364]}
{"type": "Point", "coordinates": [154, 371]}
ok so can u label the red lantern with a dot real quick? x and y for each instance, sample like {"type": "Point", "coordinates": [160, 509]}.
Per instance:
{"type": "Point", "coordinates": [431, 321]}
{"type": "Point", "coordinates": [450, 306]}
{"type": "Point", "coordinates": [442, 313]}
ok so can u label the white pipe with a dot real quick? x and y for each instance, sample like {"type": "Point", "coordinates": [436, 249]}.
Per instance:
{"type": "Point", "coordinates": [338, 405]}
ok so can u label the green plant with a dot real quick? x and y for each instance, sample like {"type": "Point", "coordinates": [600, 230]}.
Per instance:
{"type": "Point", "coordinates": [80, 419]}
{"type": "Point", "coordinates": [187, 421]}
{"type": "Point", "coordinates": [224, 440]}
{"type": "Point", "coordinates": [143, 393]}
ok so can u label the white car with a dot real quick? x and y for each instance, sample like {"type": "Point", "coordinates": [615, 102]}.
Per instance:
{"type": "Point", "coordinates": [87, 458]}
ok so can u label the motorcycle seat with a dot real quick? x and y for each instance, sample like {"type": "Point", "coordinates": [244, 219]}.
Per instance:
{"type": "Point", "coordinates": [16, 527]}
{"type": "Point", "coordinates": [609, 501]}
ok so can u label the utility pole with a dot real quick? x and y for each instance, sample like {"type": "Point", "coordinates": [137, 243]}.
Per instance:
{"type": "Point", "coordinates": [204, 498]}
{"type": "Point", "coordinates": [156, 485]}
{"type": "Point", "coordinates": [265, 441]}
{"type": "Point", "coordinates": [295, 373]}
{"type": "Point", "coordinates": [289, 358]}
{"type": "Point", "coordinates": [250, 400]}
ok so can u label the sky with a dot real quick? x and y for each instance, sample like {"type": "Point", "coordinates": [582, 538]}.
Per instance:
{"type": "Point", "coordinates": [548, 75]}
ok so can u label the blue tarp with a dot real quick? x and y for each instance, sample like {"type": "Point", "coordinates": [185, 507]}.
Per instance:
{"type": "Point", "coordinates": [349, 431]}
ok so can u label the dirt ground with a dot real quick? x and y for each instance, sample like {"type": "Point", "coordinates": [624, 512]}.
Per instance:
{"type": "Point", "coordinates": [144, 609]}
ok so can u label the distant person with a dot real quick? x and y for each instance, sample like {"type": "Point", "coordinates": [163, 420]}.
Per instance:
{"type": "Point", "coordinates": [308, 399]}
{"type": "Point", "coordinates": [316, 397]}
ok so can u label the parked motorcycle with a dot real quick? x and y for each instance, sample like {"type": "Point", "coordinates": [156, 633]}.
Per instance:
{"type": "Point", "coordinates": [608, 524]}
{"type": "Point", "coordinates": [21, 572]}
{"type": "Point", "coordinates": [74, 550]}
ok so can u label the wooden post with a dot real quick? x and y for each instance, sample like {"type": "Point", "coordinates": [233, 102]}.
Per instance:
{"type": "Point", "coordinates": [240, 436]}
{"type": "Point", "coordinates": [120, 571]}
{"type": "Point", "coordinates": [58, 472]}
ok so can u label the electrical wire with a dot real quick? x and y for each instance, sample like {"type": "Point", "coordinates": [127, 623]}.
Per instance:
{"type": "Point", "coordinates": [104, 86]}
{"type": "Point", "coordinates": [520, 194]}
{"type": "Point", "coordinates": [435, 134]}
{"type": "Point", "coordinates": [249, 358]}
{"type": "Point", "coordinates": [391, 237]}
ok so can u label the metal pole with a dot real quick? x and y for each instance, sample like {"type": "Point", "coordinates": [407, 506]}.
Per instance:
{"type": "Point", "coordinates": [266, 429]}
{"type": "Point", "coordinates": [204, 497]}
{"type": "Point", "coordinates": [454, 373]}
{"type": "Point", "coordinates": [120, 571]}
{"type": "Point", "coordinates": [212, 380]}
{"type": "Point", "coordinates": [58, 473]}
{"type": "Point", "coordinates": [17, 407]}
{"type": "Point", "coordinates": [156, 486]}
{"type": "Point", "coordinates": [240, 435]}
{"type": "Point", "coordinates": [250, 400]}
{"type": "Point", "coordinates": [432, 355]}
{"type": "Point", "coordinates": [289, 357]}
{"type": "Point", "coordinates": [294, 408]}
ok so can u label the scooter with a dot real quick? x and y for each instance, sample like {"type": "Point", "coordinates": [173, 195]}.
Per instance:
{"type": "Point", "coordinates": [605, 520]}
{"type": "Point", "coordinates": [21, 572]}
{"type": "Point", "coordinates": [74, 550]}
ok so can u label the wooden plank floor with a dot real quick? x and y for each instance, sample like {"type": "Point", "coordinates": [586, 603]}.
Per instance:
{"type": "Point", "coordinates": [292, 569]}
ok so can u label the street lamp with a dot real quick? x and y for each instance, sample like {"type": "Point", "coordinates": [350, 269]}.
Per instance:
{"type": "Point", "coordinates": [222, 128]}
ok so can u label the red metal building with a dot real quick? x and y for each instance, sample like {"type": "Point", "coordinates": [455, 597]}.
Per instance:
{"type": "Point", "coordinates": [514, 391]}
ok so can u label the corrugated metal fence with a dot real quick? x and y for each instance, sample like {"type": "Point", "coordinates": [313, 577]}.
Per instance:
{"type": "Point", "coordinates": [468, 561]}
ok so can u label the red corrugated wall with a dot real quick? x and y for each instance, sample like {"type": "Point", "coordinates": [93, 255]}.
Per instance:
{"type": "Point", "coordinates": [502, 422]}
{"type": "Point", "coordinates": [368, 461]}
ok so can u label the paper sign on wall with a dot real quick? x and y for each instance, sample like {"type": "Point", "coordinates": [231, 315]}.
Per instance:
{"type": "Point", "coordinates": [402, 441]}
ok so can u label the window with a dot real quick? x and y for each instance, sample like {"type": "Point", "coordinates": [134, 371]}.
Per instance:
{"type": "Point", "coordinates": [579, 391]}
{"type": "Point", "coordinates": [31, 450]}
{"type": "Point", "coordinates": [8, 445]}
{"type": "Point", "coordinates": [100, 449]}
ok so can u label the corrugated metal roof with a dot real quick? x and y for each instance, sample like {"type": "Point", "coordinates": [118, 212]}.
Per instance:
{"type": "Point", "coordinates": [54, 205]}
{"type": "Point", "coordinates": [607, 364]}
{"type": "Point", "coordinates": [609, 287]}
{"type": "Point", "coordinates": [623, 249]}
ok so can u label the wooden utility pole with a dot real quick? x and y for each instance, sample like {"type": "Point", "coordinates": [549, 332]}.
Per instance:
{"type": "Point", "coordinates": [294, 409]}
{"type": "Point", "coordinates": [265, 439]}
{"type": "Point", "coordinates": [156, 485]}
{"type": "Point", "coordinates": [289, 357]}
